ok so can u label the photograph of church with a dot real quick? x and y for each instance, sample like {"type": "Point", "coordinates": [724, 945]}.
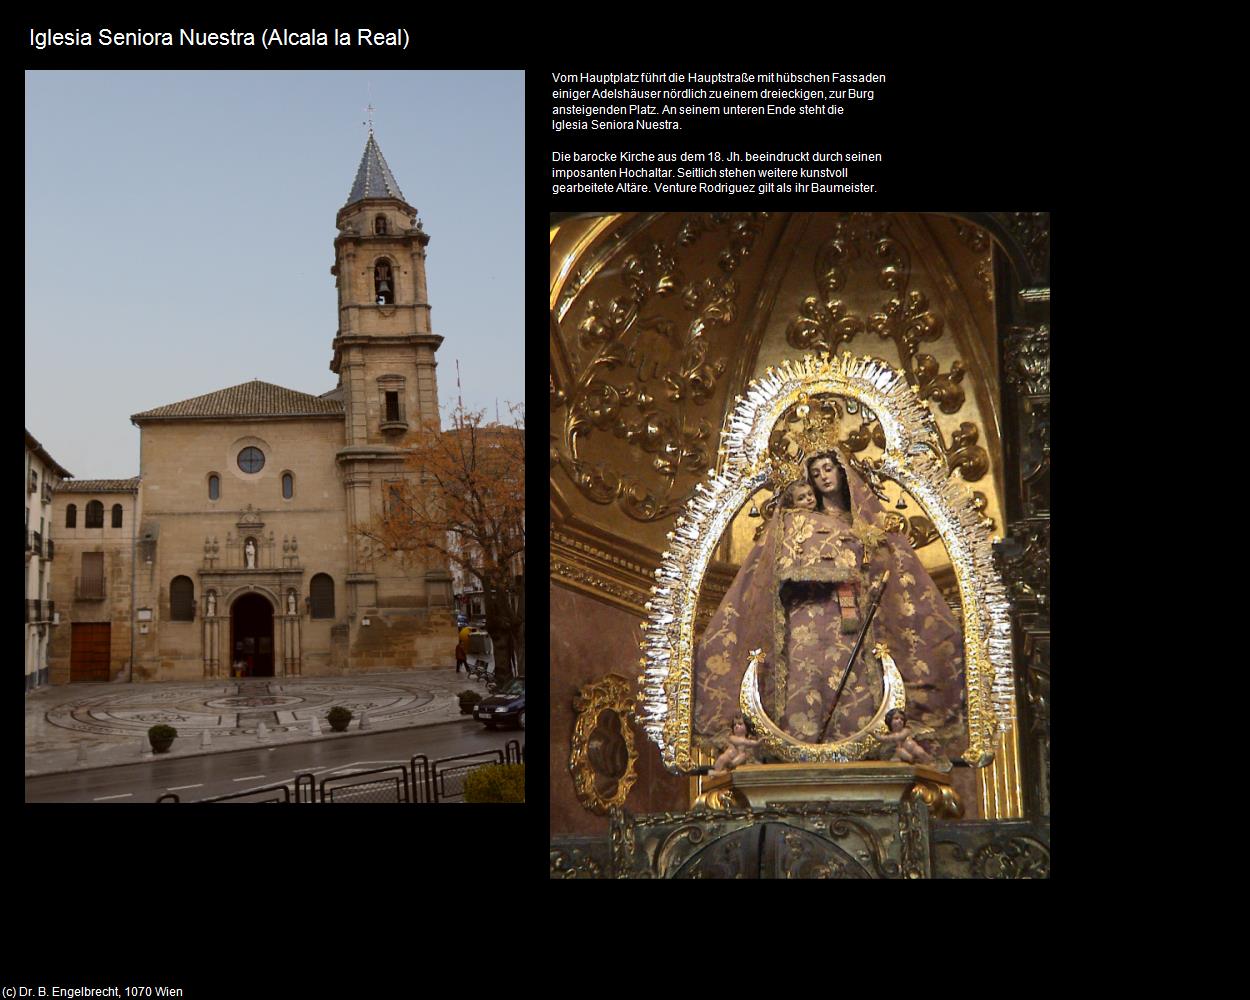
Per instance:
{"type": "Point", "coordinates": [236, 547]}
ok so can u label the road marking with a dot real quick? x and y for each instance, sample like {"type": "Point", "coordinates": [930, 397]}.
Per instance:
{"type": "Point", "coordinates": [250, 777]}
{"type": "Point", "coordinates": [104, 798]}
{"type": "Point", "coordinates": [179, 788]}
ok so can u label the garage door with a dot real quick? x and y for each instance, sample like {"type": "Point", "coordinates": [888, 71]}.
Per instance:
{"type": "Point", "coordinates": [89, 654]}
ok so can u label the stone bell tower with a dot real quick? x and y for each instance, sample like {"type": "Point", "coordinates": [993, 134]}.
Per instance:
{"type": "Point", "coordinates": [384, 356]}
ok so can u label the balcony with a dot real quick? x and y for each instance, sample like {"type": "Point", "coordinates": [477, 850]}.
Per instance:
{"type": "Point", "coordinates": [46, 495]}
{"type": "Point", "coordinates": [51, 549]}
{"type": "Point", "coordinates": [88, 590]}
{"type": "Point", "coordinates": [39, 611]}
{"type": "Point", "coordinates": [37, 545]}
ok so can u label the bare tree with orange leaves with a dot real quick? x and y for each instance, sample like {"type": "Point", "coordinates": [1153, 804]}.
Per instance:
{"type": "Point", "coordinates": [463, 500]}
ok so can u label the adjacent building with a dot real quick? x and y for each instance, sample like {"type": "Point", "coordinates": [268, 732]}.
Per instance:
{"type": "Point", "coordinates": [43, 474]}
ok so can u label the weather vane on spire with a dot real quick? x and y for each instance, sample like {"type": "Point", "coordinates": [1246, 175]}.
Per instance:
{"type": "Point", "coordinates": [369, 112]}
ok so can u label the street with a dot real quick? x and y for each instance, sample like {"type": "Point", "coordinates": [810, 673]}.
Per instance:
{"type": "Point", "coordinates": [194, 778]}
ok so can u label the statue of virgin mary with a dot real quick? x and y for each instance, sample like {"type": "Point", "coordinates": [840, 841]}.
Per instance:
{"type": "Point", "coordinates": [801, 595]}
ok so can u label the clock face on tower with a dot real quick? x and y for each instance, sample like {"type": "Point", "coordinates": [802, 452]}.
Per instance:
{"type": "Point", "coordinates": [251, 459]}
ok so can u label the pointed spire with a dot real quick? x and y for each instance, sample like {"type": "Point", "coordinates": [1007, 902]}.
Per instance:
{"type": "Point", "coordinates": [374, 178]}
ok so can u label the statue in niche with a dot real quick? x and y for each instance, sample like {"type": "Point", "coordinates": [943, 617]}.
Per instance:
{"type": "Point", "coordinates": [290, 602]}
{"type": "Point", "coordinates": [212, 603]}
{"type": "Point", "coordinates": [249, 553]}
{"type": "Point", "coordinates": [802, 595]}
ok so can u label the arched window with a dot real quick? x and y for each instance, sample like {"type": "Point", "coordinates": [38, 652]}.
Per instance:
{"type": "Point", "coordinates": [214, 487]}
{"type": "Point", "coordinates": [321, 591]}
{"type": "Point", "coordinates": [117, 515]}
{"type": "Point", "coordinates": [181, 599]}
{"type": "Point", "coordinates": [71, 516]}
{"type": "Point", "coordinates": [383, 282]}
{"type": "Point", "coordinates": [288, 486]}
{"type": "Point", "coordinates": [95, 514]}
{"type": "Point", "coordinates": [379, 225]}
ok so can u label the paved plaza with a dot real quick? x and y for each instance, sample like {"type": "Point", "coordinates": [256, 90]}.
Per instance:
{"type": "Point", "coordinates": [77, 726]}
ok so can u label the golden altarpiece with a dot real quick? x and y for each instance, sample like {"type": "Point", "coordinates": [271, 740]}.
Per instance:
{"type": "Point", "coordinates": [697, 363]}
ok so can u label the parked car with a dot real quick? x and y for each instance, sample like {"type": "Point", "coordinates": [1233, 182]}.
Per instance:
{"type": "Point", "coordinates": [505, 705]}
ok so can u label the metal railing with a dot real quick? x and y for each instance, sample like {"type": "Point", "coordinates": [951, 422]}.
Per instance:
{"type": "Point", "coordinates": [418, 781]}
{"type": "Point", "coordinates": [88, 590]}
{"type": "Point", "coordinates": [448, 773]}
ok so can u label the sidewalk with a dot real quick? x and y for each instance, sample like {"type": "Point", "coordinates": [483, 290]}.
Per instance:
{"type": "Point", "coordinates": [78, 726]}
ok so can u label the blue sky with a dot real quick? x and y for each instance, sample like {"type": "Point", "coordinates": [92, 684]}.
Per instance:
{"type": "Point", "coordinates": [179, 236]}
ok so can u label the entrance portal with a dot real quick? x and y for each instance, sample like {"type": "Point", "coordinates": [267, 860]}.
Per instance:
{"type": "Point", "coordinates": [251, 632]}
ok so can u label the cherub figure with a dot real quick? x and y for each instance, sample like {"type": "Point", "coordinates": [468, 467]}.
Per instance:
{"type": "Point", "coordinates": [741, 749]}
{"type": "Point", "coordinates": [901, 736]}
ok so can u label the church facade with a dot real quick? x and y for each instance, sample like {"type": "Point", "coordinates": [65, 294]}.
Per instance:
{"type": "Point", "coordinates": [244, 546]}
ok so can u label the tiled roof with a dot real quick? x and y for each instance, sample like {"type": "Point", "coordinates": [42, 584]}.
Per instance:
{"type": "Point", "coordinates": [374, 178]}
{"type": "Point", "coordinates": [248, 399]}
{"type": "Point", "coordinates": [47, 459]}
{"type": "Point", "coordinates": [99, 486]}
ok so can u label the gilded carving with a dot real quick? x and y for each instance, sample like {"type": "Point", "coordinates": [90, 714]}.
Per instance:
{"type": "Point", "coordinates": [1005, 858]}
{"type": "Point", "coordinates": [574, 863]}
{"type": "Point", "coordinates": [907, 322]}
{"type": "Point", "coordinates": [782, 840]}
{"type": "Point", "coordinates": [603, 759]}
{"type": "Point", "coordinates": [1023, 557]}
{"type": "Point", "coordinates": [644, 375]}
{"type": "Point", "coordinates": [974, 237]}
{"type": "Point", "coordinates": [826, 322]}
{"type": "Point", "coordinates": [943, 389]}
{"type": "Point", "coordinates": [943, 801]}
{"type": "Point", "coordinates": [563, 570]}
{"type": "Point", "coordinates": [1032, 232]}
{"type": "Point", "coordinates": [965, 456]}
{"type": "Point", "coordinates": [977, 240]}
{"type": "Point", "coordinates": [1026, 359]}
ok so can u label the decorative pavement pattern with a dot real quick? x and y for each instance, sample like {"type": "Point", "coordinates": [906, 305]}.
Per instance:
{"type": "Point", "coordinates": [77, 726]}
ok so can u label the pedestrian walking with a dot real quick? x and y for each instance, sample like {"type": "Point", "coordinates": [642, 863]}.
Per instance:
{"type": "Point", "coordinates": [462, 658]}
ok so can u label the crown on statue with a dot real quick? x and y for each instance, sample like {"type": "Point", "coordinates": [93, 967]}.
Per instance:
{"type": "Point", "coordinates": [810, 428]}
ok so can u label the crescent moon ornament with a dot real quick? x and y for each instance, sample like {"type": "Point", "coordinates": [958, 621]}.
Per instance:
{"type": "Point", "coordinates": [785, 747]}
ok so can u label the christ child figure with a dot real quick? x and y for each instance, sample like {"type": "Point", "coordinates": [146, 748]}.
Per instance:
{"type": "Point", "coordinates": [800, 495]}
{"type": "Point", "coordinates": [906, 748]}
{"type": "Point", "coordinates": [741, 749]}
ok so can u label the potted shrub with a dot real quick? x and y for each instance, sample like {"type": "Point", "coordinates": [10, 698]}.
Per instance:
{"type": "Point", "coordinates": [339, 717]}
{"type": "Point", "coordinates": [467, 700]}
{"type": "Point", "coordinates": [495, 783]}
{"type": "Point", "coordinates": [161, 737]}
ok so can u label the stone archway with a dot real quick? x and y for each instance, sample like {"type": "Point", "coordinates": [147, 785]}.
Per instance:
{"type": "Point", "coordinates": [251, 634]}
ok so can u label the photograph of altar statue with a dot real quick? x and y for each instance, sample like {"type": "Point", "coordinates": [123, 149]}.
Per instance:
{"type": "Point", "coordinates": [799, 475]}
